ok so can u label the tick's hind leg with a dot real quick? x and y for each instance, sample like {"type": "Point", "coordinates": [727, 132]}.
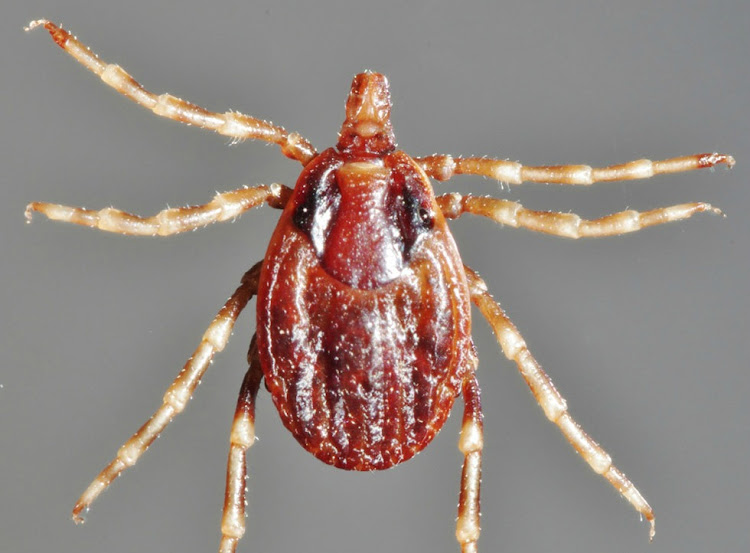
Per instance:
{"type": "Point", "coordinates": [242, 437]}
{"type": "Point", "coordinates": [232, 124]}
{"type": "Point", "coordinates": [568, 225]}
{"type": "Point", "coordinates": [550, 400]}
{"type": "Point", "coordinates": [178, 394]}
{"type": "Point", "coordinates": [470, 443]}
{"type": "Point", "coordinates": [222, 207]}
{"type": "Point", "coordinates": [443, 167]}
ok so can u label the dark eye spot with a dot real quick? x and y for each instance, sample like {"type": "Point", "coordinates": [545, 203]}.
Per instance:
{"type": "Point", "coordinates": [319, 201]}
{"type": "Point", "coordinates": [412, 213]}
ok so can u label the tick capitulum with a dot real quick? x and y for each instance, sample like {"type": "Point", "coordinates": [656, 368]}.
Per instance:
{"type": "Point", "coordinates": [363, 302]}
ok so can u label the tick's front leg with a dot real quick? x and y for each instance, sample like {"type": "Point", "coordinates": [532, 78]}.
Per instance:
{"type": "Point", "coordinates": [443, 167]}
{"type": "Point", "coordinates": [222, 207]}
{"type": "Point", "coordinates": [231, 123]}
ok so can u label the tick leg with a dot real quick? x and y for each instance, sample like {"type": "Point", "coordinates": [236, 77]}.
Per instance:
{"type": "Point", "coordinates": [178, 394]}
{"type": "Point", "coordinates": [550, 400]}
{"type": "Point", "coordinates": [443, 167]}
{"type": "Point", "coordinates": [568, 225]}
{"type": "Point", "coordinates": [223, 206]}
{"type": "Point", "coordinates": [242, 437]}
{"type": "Point", "coordinates": [470, 444]}
{"type": "Point", "coordinates": [232, 124]}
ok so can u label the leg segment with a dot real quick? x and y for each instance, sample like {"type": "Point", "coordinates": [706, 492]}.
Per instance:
{"type": "Point", "coordinates": [231, 123]}
{"type": "Point", "coordinates": [178, 394]}
{"type": "Point", "coordinates": [443, 167]}
{"type": "Point", "coordinates": [550, 400]}
{"type": "Point", "coordinates": [568, 225]}
{"type": "Point", "coordinates": [222, 207]}
{"type": "Point", "coordinates": [470, 444]}
{"type": "Point", "coordinates": [242, 437]}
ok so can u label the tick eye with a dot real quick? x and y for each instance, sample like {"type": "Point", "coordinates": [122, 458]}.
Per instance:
{"type": "Point", "coordinates": [320, 199]}
{"type": "Point", "coordinates": [412, 215]}
{"type": "Point", "coordinates": [417, 214]}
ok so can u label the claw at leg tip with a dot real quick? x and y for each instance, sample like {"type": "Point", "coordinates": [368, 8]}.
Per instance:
{"type": "Point", "coordinates": [34, 24]}
{"type": "Point", "coordinates": [79, 518]}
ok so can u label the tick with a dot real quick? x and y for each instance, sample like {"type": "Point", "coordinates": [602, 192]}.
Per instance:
{"type": "Point", "coordinates": [363, 331]}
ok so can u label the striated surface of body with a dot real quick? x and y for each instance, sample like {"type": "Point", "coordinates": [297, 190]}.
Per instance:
{"type": "Point", "coordinates": [363, 312]}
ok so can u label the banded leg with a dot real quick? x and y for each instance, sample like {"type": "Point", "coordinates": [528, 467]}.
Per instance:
{"type": "Point", "coordinates": [178, 394]}
{"type": "Point", "coordinates": [470, 444]}
{"type": "Point", "coordinates": [568, 225]}
{"type": "Point", "coordinates": [223, 206]}
{"type": "Point", "coordinates": [550, 400]}
{"type": "Point", "coordinates": [443, 167]}
{"type": "Point", "coordinates": [231, 124]}
{"type": "Point", "coordinates": [242, 437]}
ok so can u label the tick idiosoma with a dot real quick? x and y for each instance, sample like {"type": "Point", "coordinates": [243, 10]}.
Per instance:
{"type": "Point", "coordinates": [363, 303]}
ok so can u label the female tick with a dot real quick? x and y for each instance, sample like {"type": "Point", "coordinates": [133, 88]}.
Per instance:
{"type": "Point", "coordinates": [363, 303]}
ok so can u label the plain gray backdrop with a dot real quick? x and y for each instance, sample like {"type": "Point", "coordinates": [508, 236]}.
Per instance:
{"type": "Point", "coordinates": [646, 335]}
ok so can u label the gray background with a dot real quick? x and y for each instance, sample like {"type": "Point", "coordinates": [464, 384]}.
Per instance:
{"type": "Point", "coordinates": [646, 335]}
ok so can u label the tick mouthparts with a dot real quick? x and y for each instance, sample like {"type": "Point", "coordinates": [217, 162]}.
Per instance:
{"type": "Point", "coordinates": [369, 101]}
{"type": "Point", "coordinates": [367, 127]}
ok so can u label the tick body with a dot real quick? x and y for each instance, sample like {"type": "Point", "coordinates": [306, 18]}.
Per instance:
{"type": "Point", "coordinates": [363, 312]}
{"type": "Point", "coordinates": [363, 303]}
